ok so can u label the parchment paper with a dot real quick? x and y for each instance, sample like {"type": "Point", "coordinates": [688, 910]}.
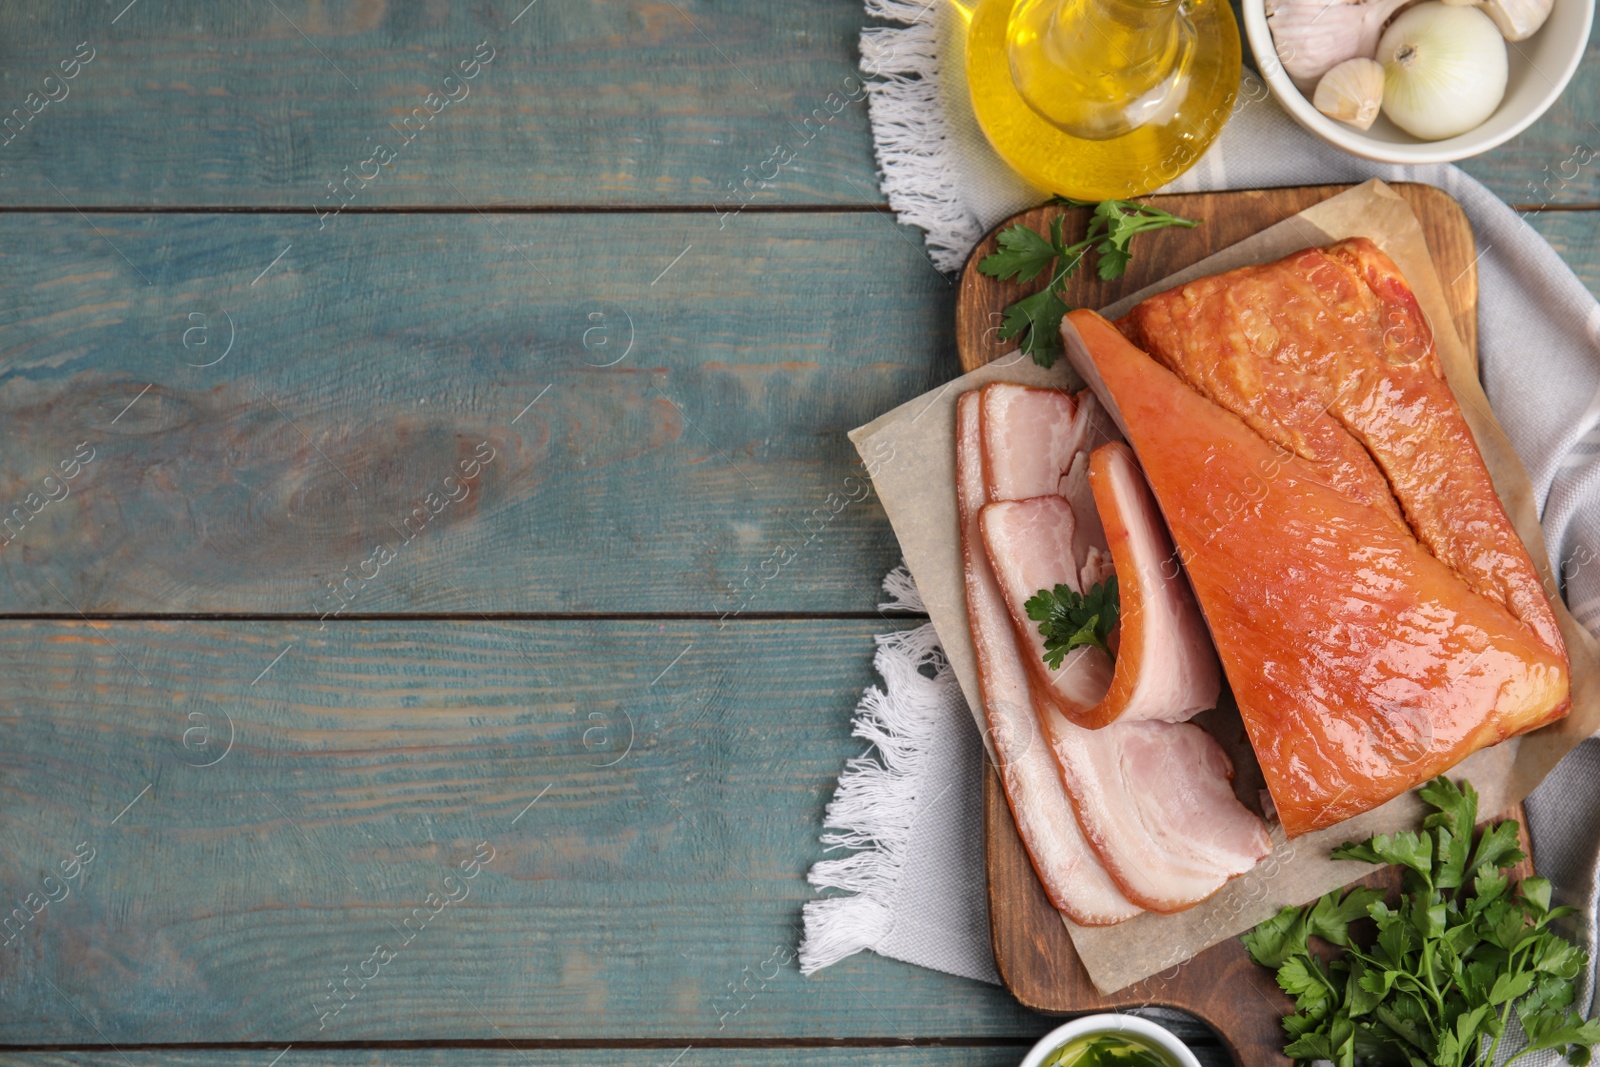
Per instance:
{"type": "Point", "coordinates": [911, 451]}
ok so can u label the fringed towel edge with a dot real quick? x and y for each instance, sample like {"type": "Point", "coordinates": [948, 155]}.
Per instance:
{"type": "Point", "coordinates": [880, 793]}
{"type": "Point", "coordinates": [909, 133]}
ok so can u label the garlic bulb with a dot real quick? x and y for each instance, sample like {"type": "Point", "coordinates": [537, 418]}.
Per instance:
{"type": "Point", "coordinates": [1351, 92]}
{"type": "Point", "coordinates": [1444, 70]}
{"type": "Point", "coordinates": [1312, 37]}
{"type": "Point", "coordinates": [1518, 19]}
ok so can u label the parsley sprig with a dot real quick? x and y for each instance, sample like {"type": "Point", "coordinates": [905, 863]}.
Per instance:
{"type": "Point", "coordinates": [1068, 621]}
{"type": "Point", "coordinates": [1024, 255]}
{"type": "Point", "coordinates": [1463, 949]}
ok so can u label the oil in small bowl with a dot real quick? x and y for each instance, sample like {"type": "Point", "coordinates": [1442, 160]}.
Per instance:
{"type": "Point", "coordinates": [1109, 1049]}
{"type": "Point", "coordinates": [1072, 1044]}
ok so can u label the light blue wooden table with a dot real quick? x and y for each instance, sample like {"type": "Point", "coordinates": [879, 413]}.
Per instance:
{"type": "Point", "coordinates": [408, 585]}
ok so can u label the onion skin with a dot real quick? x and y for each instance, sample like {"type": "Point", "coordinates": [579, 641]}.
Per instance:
{"type": "Point", "coordinates": [1444, 70]}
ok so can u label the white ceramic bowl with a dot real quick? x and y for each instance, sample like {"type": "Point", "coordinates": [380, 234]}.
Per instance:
{"type": "Point", "coordinates": [1540, 68]}
{"type": "Point", "coordinates": [1111, 1024]}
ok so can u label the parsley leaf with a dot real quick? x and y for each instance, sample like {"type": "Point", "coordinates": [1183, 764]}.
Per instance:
{"type": "Point", "coordinates": [1274, 941]}
{"type": "Point", "coordinates": [1121, 221]}
{"type": "Point", "coordinates": [1023, 254]}
{"type": "Point", "coordinates": [1039, 316]}
{"type": "Point", "coordinates": [1437, 983]}
{"type": "Point", "coordinates": [1068, 621]}
{"type": "Point", "coordinates": [1330, 917]}
{"type": "Point", "coordinates": [1406, 849]}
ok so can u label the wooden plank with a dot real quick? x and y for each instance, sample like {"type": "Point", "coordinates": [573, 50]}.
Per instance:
{"type": "Point", "coordinates": [1557, 159]}
{"type": "Point", "coordinates": [522, 1056]}
{"type": "Point", "coordinates": [1576, 236]}
{"type": "Point", "coordinates": [665, 402]}
{"type": "Point", "coordinates": [637, 103]}
{"type": "Point", "coordinates": [652, 891]}
{"type": "Point", "coordinates": [987, 1056]}
{"type": "Point", "coordinates": [645, 102]}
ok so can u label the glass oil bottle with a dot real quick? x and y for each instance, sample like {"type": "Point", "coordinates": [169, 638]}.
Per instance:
{"type": "Point", "coordinates": [1102, 99]}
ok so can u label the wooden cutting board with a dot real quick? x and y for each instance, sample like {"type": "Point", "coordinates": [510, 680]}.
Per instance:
{"type": "Point", "coordinates": [1239, 1000]}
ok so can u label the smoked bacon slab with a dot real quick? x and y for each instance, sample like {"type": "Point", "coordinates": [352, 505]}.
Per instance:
{"type": "Point", "coordinates": [1362, 662]}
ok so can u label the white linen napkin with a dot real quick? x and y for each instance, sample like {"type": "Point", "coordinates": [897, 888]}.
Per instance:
{"type": "Point", "coordinates": [910, 816]}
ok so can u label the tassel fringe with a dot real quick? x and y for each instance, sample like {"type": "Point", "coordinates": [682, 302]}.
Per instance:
{"type": "Point", "coordinates": [901, 589]}
{"type": "Point", "coordinates": [909, 132]}
{"type": "Point", "coordinates": [880, 793]}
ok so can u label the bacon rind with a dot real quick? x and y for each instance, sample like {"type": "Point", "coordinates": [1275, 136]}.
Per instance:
{"type": "Point", "coordinates": [1166, 666]}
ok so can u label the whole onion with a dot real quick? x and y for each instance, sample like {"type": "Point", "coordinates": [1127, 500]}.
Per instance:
{"type": "Point", "coordinates": [1444, 69]}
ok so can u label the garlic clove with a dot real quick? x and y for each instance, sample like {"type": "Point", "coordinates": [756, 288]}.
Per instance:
{"type": "Point", "coordinates": [1517, 20]}
{"type": "Point", "coordinates": [1351, 92]}
{"type": "Point", "coordinates": [1444, 70]}
{"type": "Point", "coordinates": [1311, 37]}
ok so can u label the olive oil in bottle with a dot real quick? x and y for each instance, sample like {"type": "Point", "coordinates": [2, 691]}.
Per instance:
{"type": "Point", "coordinates": [1101, 99]}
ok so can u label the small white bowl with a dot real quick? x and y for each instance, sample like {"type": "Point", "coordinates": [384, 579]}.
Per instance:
{"type": "Point", "coordinates": [1111, 1024]}
{"type": "Point", "coordinates": [1540, 68]}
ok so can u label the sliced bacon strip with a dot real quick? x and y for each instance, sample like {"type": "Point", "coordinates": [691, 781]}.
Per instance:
{"type": "Point", "coordinates": [1072, 876]}
{"type": "Point", "coordinates": [1029, 438]}
{"type": "Point", "coordinates": [1099, 524]}
{"type": "Point", "coordinates": [1035, 444]}
{"type": "Point", "coordinates": [1166, 666]}
{"type": "Point", "coordinates": [1029, 545]}
{"type": "Point", "coordinates": [1092, 428]}
{"type": "Point", "coordinates": [1156, 801]}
